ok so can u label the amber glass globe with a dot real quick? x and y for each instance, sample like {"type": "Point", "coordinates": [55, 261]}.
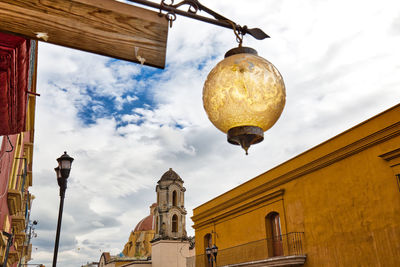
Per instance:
{"type": "Point", "coordinates": [244, 95]}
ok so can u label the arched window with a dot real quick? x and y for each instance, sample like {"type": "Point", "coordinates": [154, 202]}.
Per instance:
{"type": "Point", "coordinates": [274, 234]}
{"type": "Point", "coordinates": [174, 199]}
{"type": "Point", "coordinates": [157, 230]}
{"type": "Point", "coordinates": [175, 223]}
{"type": "Point", "coordinates": [207, 244]}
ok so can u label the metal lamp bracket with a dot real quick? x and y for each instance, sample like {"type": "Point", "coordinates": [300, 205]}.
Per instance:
{"type": "Point", "coordinates": [195, 6]}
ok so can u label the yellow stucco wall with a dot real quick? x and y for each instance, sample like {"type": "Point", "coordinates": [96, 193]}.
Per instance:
{"type": "Point", "coordinates": [343, 194]}
{"type": "Point", "coordinates": [138, 245]}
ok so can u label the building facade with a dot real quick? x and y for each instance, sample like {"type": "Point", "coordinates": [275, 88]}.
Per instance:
{"type": "Point", "coordinates": [18, 57]}
{"type": "Point", "coordinates": [337, 204]}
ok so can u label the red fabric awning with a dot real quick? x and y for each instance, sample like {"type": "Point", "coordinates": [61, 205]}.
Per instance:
{"type": "Point", "coordinates": [14, 71]}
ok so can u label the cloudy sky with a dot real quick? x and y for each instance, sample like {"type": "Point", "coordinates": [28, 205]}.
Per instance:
{"type": "Point", "coordinates": [126, 124]}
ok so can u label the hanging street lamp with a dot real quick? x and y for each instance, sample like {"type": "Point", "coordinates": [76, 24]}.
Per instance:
{"type": "Point", "coordinates": [244, 94]}
{"type": "Point", "coordinates": [214, 251]}
{"type": "Point", "coordinates": [209, 256]}
{"type": "Point", "coordinates": [212, 255]}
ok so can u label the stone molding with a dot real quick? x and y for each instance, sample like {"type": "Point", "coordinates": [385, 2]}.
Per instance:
{"type": "Point", "coordinates": [275, 195]}
{"type": "Point", "coordinates": [391, 155]}
{"type": "Point", "coordinates": [17, 223]}
{"type": "Point", "coordinates": [393, 158]}
{"type": "Point", "coordinates": [13, 257]}
{"type": "Point", "coordinates": [14, 201]}
{"type": "Point", "coordinates": [20, 238]}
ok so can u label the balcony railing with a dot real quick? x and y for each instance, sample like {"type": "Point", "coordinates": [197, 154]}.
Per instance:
{"type": "Point", "coordinates": [290, 244]}
{"type": "Point", "coordinates": [286, 245]}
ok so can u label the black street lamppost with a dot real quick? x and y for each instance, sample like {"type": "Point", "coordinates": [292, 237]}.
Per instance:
{"type": "Point", "coordinates": [212, 255]}
{"type": "Point", "coordinates": [62, 170]}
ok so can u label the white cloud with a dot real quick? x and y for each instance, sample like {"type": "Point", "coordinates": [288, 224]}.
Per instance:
{"type": "Point", "coordinates": [340, 63]}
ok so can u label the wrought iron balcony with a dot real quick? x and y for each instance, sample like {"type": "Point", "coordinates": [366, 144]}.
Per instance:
{"type": "Point", "coordinates": [283, 250]}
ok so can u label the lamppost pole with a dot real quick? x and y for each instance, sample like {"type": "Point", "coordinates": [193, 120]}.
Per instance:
{"type": "Point", "coordinates": [60, 212]}
{"type": "Point", "coordinates": [62, 171]}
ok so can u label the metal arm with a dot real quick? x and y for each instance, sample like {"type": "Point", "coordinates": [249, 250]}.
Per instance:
{"type": "Point", "coordinates": [194, 7]}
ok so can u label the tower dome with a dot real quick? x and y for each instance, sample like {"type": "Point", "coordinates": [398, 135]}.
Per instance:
{"type": "Point", "coordinates": [145, 224]}
{"type": "Point", "coordinates": [170, 175]}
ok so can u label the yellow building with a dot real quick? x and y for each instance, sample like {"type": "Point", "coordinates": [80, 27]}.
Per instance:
{"type": "Point", "coordinates": [337, 204]}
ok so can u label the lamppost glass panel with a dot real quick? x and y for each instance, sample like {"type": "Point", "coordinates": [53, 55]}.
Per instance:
{"type": "Point", "coordinates": [64, 164]}
{"type": "Point", "coordinates": [65, 161]}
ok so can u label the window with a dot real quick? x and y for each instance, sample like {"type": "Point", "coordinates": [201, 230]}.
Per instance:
{"type": "Point", "coordinates": [174, 199]}
{"type": "Point", "coordinates": [274, 234]}
{"type": "Point", "coordinates": [175, 223]}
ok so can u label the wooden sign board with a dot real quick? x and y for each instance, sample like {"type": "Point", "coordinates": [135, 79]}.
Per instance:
{"type": "Point", "coordinates": [104, 27]}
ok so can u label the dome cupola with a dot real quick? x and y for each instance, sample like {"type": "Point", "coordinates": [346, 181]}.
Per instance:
{"type": "Point", "coordinates": [170, 175]}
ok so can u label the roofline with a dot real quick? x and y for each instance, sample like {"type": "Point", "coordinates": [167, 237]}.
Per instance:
{"type": "Point", "coordinates": [336, 137]}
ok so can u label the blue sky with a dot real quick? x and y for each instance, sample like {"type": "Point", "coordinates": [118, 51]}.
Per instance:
{"type": "Point", "coordinates": [126, 124]}
{"type": "Point", "coordinates": [106, 106]}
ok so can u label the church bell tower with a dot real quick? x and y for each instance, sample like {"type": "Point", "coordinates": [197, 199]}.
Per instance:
{"type": "Point", "coordinates": [170, 214]}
